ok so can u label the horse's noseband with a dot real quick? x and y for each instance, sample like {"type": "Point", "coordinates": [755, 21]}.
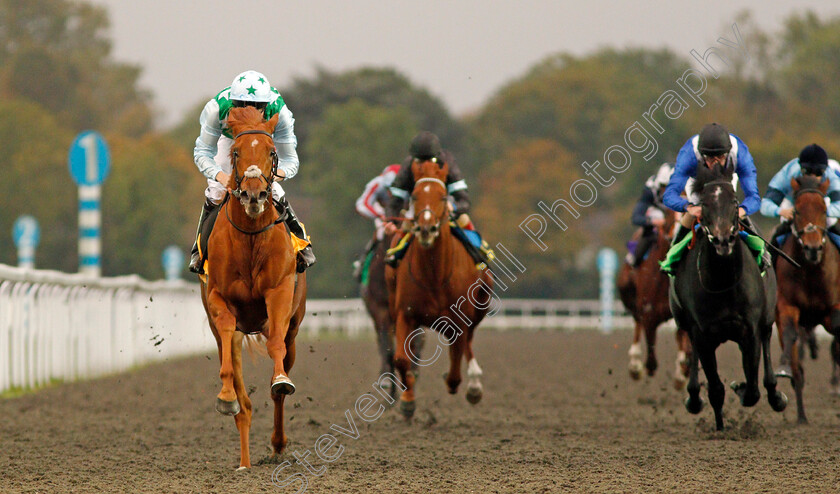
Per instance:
{"type": "Point", "coordinates": [275, 160]}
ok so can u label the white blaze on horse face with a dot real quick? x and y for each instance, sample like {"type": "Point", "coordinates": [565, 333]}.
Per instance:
{"type": "Point", "coordinates": [427, 216]}
{"type": "Point", "coordinates": [426, 189]}
{"type": "Point", "coordinates": [253, 171]}
{"type": "Point", "coordinates": [254, 143]}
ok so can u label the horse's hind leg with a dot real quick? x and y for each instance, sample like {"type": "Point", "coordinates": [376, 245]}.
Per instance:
{"type": "Point", "coordinates": [474, 389]}
{"type": "Point", "coordinates": [778, 400]}
{"type": "Point", "coordinates": [717, 390]}
{"type": "Point", "coordinates": [403, 363]}
{"type": "Point", "coordinates": [635, 366]}
{"type": "Point", "coordinates": [243, 418]}
{"type": "Point", "coordinates": [750, 361]}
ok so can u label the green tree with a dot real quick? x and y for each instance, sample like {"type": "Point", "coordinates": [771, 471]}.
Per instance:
{"type": "Point", "coordinates": [56, 52]}
{"type": "Point", "coordinates": [352, 144]}
{"type": "Point", "coordinates": [150, 200]}
{"type": "Point", "coordinates": [36, 181]}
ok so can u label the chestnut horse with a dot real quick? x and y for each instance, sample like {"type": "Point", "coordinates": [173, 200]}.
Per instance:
{"type": "Point", "coordinates": [436, 285]}
{"type": "Point", "coordinates": [251, 287]}
{"type": "Point", "coordinates": [809, 295]}
{"type": "Point", "coordinates": [644, 292]}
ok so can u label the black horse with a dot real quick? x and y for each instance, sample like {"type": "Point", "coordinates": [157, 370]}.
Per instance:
{"type": "Point", "coordinates": [718, 294]}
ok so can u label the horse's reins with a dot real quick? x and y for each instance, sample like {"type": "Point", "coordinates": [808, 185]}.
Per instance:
{"type": "Point", "coordinates": [238, 180]}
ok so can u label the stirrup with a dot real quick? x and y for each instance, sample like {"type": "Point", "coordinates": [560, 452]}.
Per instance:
{"type": "Point", "coordinates": [305, 259]}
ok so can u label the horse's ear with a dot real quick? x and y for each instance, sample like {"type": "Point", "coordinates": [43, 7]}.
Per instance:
{"type": "Point", "coordinates": [794, 184]}
{"type": "Point", "coordinates": [273, 121]}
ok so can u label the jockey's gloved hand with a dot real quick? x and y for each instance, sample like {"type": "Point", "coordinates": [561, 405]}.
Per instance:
{"type": "Point", "coordinates": [463, 220]}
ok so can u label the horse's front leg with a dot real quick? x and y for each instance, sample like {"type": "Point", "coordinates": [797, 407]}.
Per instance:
{"type": "Point", "coordinates": [717, 391]}
{"type": "Point", "coordinates": [681, 364]}
{"type": "Point", "coordinates": [279, 307]}
{"type": "Point", "coordinates": [750, 346]}
{"type": "Point", "coordinates": [778, 401]}
{"type": "Point", "coordinates": [650, 325]}
{"type": "Point", "coordinates": [243, 418]}
{"type": "Point", "coordinates": [474, 388]}
{"type": "Point", "coordinates": [225, 324]}
{"type": "Point", "coordinates": [404, 337]}
{"type": "Point", "coordinates": [787, 320]}
{"type": "Point", "coordinates": [456, 352]}
{"type": "Point", "coordinates": [694, 403]}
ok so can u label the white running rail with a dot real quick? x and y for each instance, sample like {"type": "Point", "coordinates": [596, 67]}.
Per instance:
{"type": "Point", "coordinates": [69, 326]}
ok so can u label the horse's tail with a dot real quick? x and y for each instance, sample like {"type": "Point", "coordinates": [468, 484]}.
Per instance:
{"type": "Point", "coordinates": [255, 345]}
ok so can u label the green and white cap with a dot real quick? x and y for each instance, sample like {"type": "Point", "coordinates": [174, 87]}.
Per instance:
{"type": "Point", "coordinates": [251, 86]}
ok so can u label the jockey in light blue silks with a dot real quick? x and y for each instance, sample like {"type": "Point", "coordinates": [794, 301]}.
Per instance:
{"type": "Point", "coordinates": [714, 145]}
{"type": "Point", "coordinates": [212, 154]}
{"type": "Point", "coordinates": [779, 200]}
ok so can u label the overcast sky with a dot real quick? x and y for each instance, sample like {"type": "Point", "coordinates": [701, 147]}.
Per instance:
{"type": "Point", "coordinates": [462, 51]}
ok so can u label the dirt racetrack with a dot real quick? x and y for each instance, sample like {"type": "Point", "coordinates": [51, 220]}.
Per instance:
{"type": "Point", "coordinates": [559, 414]}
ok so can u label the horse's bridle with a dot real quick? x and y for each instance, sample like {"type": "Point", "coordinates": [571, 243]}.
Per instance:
{"type": "Point", "coordinates": [736, 224]}
{"type": "Point", "coordinates": [435, 181]}
{"type": "Point", "coordinates": [810, 227]}
{"type": "Point", "coordinates": [238, 192]}
{"type": "Point", "coordinates": [275, 160]}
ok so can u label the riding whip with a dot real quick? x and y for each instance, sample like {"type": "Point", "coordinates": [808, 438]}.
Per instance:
{"type": "Point", "coordinates": [768, 244]}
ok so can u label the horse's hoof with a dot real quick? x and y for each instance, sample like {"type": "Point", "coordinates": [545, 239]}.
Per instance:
{"type": "Point", "coordinates": [407, 408]}
{"type": "Point", "coordinates": [784, 371]}
{"type": "Point", "coordinates": [227, 407]}
{"type": "Point", "coordinates": [736, 386]}
{"type": "Point", "coordinates": [241, 468]}
{"type": "Point", "coordinates": [694, 407]}
{"type": "Point", "coordinates": [780, 403]}
{"type": "Point", "coordinates": [474, 394]}
{"type": "Point", "coordinates": [282, 385]}
{"type": "Point", "coordinates": [635, 369]}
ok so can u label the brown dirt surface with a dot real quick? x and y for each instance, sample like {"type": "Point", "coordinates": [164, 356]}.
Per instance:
{"type": "Point", "coordinates": [559, 414]}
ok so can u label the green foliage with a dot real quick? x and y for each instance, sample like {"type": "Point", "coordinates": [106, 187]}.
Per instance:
{"type": "Point", "coordinates": [352, 143]}
{"type": "Point", "coordinates": [36, 181]}
{"type": "Point", "coordinates": [151, 199]}
{"type": "Point", "coordinates": [309, 99]}
{"type": "Point", "coordinates": [55, 52]}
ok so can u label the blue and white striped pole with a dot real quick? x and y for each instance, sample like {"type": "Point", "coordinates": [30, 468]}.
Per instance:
{"type": "Point", "coordinates": [90, 221]}
{"type": "Point", "coordinates": [26, 234]}
{"type": "Point", "coordinates": [90, 163]}
{"type": "Point", "coordinates": [607, 266]}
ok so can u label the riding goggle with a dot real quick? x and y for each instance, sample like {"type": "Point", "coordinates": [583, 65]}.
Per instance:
{"type": "Point", "coordinates": [259, 105]}
{"type": "Point", "coordinates": [715, 157]}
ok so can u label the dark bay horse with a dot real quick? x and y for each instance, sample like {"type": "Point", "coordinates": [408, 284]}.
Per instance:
{"type": "Point", "coordinates": [251, 287]}
{"type": "Point", "coordinates": [436, 285]}
{"type": "Point", "coordinates": [718, 294]}
{"type": "Point", "coordinates": [810, 295]}
{"type": "Point", "coordinates": [644, 292]}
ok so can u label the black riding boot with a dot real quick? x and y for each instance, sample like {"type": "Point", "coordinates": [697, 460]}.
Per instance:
{"type": "Point", "coordinates": [679, 234]}
{"type": "Point", "coordinates": [196, 258]}
{"type": "Point", "coordinates": [642, 247]}
{"type": "Point", "coordinates": [781, 229]}
{"type": "Point", "coordinates": [306, 257]}
{"type": "Point", "coordinates": [358, 264]}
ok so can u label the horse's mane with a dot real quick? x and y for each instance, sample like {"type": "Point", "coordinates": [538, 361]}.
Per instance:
{"type": "Point", "coordinates": [705, 175]}
{"type": "Point", "coordinates": [246, 117]}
